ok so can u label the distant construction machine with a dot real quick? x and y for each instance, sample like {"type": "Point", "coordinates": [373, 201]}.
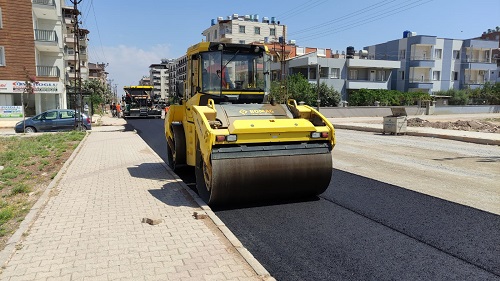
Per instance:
{"type": "Point", "coordinates": [140, 103]}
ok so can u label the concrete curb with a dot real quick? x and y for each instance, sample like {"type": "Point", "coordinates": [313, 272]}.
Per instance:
{"type": "Point", "coordinates": [17, 237]}
{"type": "Point", "coordinates": [420, 134]}
{"type": "Point", "coordinates": [247, 256]}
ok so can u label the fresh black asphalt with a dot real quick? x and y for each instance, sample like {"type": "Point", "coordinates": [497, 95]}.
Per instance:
{"type": "Point", "coordinates": [361, 229]}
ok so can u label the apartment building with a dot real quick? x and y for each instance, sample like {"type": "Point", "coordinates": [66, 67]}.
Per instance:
{"type": "Point", "coordinates": [244, 29]}
{"type": "Point", "coordinates": [70, 44]}
{"type": "Point", "coordinates": [494, 35]}
{"type": "Point", "coordinates": [345, 73]}
{"type": "Point", "coordinates": [145, 81]}
{"type": "Point", "coordinates": [430, 64]}
{"type": "Point", "coordinates": [160, 78]}
{"type": "Point", "coordinates": [97, 71]}
{"type": "Point", "coordinates": [31, 46]}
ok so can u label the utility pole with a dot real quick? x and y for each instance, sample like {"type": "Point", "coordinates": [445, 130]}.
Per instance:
{"type": "Point", "coordinates": [78, 75]}
{"type": "Point", "coordinates": [283, 88]}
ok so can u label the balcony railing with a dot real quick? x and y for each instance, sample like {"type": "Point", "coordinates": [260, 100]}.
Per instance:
{"type": "Point", "coordinates": [478, 60]}
{"type": "Point", "coordinates": [475, 81]}
{"type": "Point", "coordinates": [47, 71]}
{"type": "Point", "coordinates": [420, 80]}
{"type": "Point", "coordinates": [421, 58]}
{"type": "Point", "coordinates": [44, 2]}
{"type": "Point", "coordinates": [46, 35]}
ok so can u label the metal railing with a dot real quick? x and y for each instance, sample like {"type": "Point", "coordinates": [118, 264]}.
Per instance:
{"type": "Point", "coordinates": [47, 71]}
{"type": "Point", "coordinates": [420, 80]}
{"type": "Point", "coordinates": [487, 60]}
{"type": "Point", "coordinates": [421, 58]}
{"type": "Point", "coordinates": [475, 81]}
{"type": "Point", "coordinates": [46, 35]}
{"type": "Point", "coordinates": [44, 2]}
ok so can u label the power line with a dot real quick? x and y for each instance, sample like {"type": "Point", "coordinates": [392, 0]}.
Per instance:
{"type": "Point", "coordinates": [296, 8]}
{"type": "Point", "coordinates": [363, 22]}
{"type": "Point", "coordinates": [359, 12]}
{"type": "Point", "coordinates": [98, 32]}
{"type": "Point", "coordinates": [307, 8]}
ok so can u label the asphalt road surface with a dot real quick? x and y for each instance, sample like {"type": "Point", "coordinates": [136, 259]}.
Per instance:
{"type": "Point", "coordinates": [366, 227]}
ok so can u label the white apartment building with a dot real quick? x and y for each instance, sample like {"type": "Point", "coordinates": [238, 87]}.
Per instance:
{"type": "Point", "coordinates": [430, 64]}
{"type": "Point", "coordinates": [244, 29]}
{"type": "Point", "coordinates": [343, 74]}
{"type": "Point", "coordinates": [49, 59]}
{"type": "Point", "coordinates": [159, 78]}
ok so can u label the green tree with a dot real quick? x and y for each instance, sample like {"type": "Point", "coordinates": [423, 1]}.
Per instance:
{"type": "Point", "coordinates": [98, 93]}
{"type": "Point", "coordinates": [328, 95]}
{"type": "Point", "coordinates": [301, 90]}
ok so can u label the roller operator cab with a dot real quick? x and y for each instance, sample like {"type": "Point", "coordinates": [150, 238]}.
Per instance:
{"type": "Point", "coordinates": [244, 148]}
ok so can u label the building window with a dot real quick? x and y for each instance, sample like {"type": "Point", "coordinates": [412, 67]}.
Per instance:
{"type": "Point", "coordinates": [353, 74]}
{"type": "Point", "coordinates": [272, 31]}
{"type": "Point", "coordinates": [257, 30]}
{"type": "Point", "coordinates": [438, 53]}
{"type": "Point", "coordinates": [215, 35]}
{"type": "Point", "coordinates": [402, 54]}
{"type": "Point", "coordinates": [436, 75]}
{"type": "Point", "coordinates": [402, 73]}
{"type": "Point", "coordinates": [335, 73]}
{"type": "Point", "coordinates": [242, 29]}
{"type": "Point", "coordinates": [454, 75]}
{"type": "Point", "coordinates": [324, 72]}
{"type": "Point", "coordinates": [2, 56]}
{"type": "Point", "coordinates": [1, 21]}
{"type": "Point", "coordinates": [242, 41]}
{"type": "Point", "coordinates": [456, 54]}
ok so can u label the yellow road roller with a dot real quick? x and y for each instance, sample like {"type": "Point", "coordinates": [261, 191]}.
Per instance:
{"type": "Point", "coordinates": [243, 146]}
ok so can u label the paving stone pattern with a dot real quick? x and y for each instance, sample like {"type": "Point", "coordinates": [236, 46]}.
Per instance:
{"type": "Point", "coordinates": [92, 229]}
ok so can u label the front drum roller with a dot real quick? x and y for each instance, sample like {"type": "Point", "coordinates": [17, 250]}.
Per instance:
{"type": "Point", "coordinates": [258, 179]}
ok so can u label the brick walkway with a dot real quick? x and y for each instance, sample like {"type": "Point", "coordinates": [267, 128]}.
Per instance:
{"type": "Point", "coordinates": [91, 227]}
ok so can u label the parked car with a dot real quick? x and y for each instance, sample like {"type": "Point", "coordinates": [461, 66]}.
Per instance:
{"type": "Point", "coordinates": [54, 121]}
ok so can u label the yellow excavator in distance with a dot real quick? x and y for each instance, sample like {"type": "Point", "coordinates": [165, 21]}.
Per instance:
{"type": "Point", "coordinates": [244, 147]}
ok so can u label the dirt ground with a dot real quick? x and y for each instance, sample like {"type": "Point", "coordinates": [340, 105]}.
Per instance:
{"type": "Point", "coordinates": [489, 125]}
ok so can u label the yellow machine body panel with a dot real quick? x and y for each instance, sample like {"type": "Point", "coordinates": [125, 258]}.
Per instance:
{"type": "Point", "coordinates": [243, 147]}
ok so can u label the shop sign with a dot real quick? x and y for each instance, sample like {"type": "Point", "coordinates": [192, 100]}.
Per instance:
{"type": "Point", "coordinates": [39, 87]}
{"type": "Point", "coordinates": [10, 111]}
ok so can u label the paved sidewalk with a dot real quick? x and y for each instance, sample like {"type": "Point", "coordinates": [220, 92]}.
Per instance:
{"type": "Point", "coordinates": [91, 227]}
{"type": "Point", "coordinates": [375, 124]}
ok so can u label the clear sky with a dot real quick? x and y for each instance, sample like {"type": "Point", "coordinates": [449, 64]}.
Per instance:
{"type": "Point", "coordinates": [132, 34]}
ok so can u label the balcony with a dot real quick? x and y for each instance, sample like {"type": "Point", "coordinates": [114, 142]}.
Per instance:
{"type": "Point", "coordinates": [366, 84]}
{"type": "Point", "coordinates": [69, 39]}
{"type": "Point", "coordinates": [47, 71]}
{"type": "Point", "coordinates": [421, 83]}
{"type": "Point", "coordinates": [46, 41]}
{"type": "Point", "coordinates": [45, 9]}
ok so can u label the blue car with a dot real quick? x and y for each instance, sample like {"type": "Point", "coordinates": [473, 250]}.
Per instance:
{"type": "Point", "coordinates": [54, 121]}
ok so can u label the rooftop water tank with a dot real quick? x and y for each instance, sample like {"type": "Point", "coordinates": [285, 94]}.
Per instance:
{"type": "Point", "coordinates": [363, 53]}
{"type": "Point", "coordinates": [235, 16]}
{"type": "Point", "coordinates": [213, 22]}
{"type": "Point", "coordinates": [406, 34]}
{"type": "Point", "coordinates": [256, 17]}
{"type": "Point", "coordinates": [273, 20]}
{"type": "Point", "coordinates": [220, 18]}
{"type": "Point", "coordinates": [350, 52]}
{"type": "Point", "coordinates": [265, 20]}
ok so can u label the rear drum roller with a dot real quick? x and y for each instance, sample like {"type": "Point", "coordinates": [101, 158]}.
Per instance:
{"type": "Point", "coordinates": [177, 154]}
